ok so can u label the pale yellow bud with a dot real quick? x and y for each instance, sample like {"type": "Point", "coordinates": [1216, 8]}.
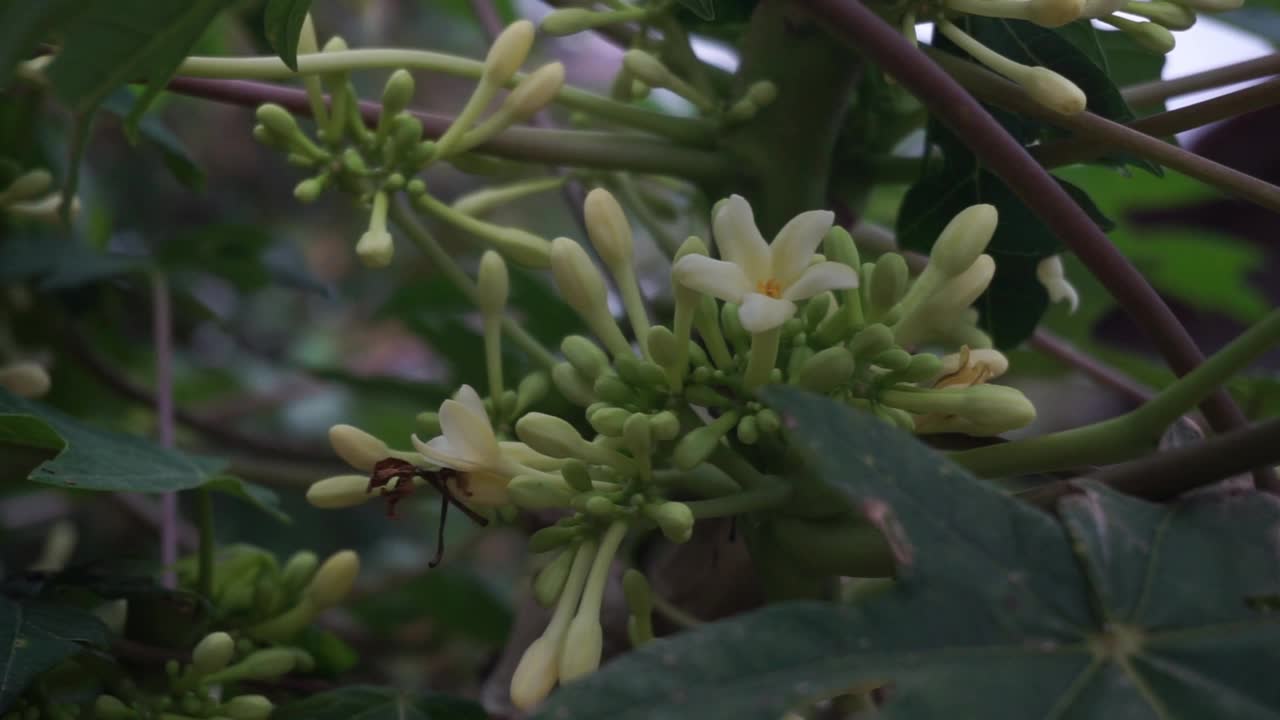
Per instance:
{"type": "Point", "coordinates": [1053, 90]}
{"type": "Point", "coordinates": [375, 247]}
{"type": "Point", "coordinates": [550, 435]}
{"type": "Point", "coordinates": [536, 674]}
{"type": "Point", "coordinates": [535, 91]}
{"type": "Point", "coordinates": [1168, 14]}
{"type": "Point", "coordinates": [540, 492]}
{"type": "Point", "coordinates": [964, 239]}
{"type": "Point", "coordinates": [508, 53]}
{"type": "Point", "coordinates": [494, 283]}
{"type": "Point", "coordinates": [339, 491]}
{"type": "Point", "coordinates": [1149, 35]}
{"type": "Point", "coordinates": [358, 448]}
{"type": "Point", "coordinates": [577, 278]}
{"type": "Point", "coordinates": [609, 230]}
{"type": "Point", "coordinates": [26, 186]}
{"type": "Point", "coordinates": [247, 707]}
{"type": "Point", "coordinates": [583, 645]}
{"type": "Point", "coordinates": [25, 379]}
{"type": "Point", "coordinates": [960, 291]}
{"type": "Point", "coordinates": [212, 653]}
{"type": "Point", "coordinates": [334, 579]}
{"type": "Point", "coordinates": [1054, 13]}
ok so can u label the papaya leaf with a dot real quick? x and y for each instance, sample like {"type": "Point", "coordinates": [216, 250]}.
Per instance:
{"type": "Point", "coordinates": [35, 636]}
{"type": "Point", "coordinates": [366, 702]}
{"type": "Point", "coordinates": [282, 21]}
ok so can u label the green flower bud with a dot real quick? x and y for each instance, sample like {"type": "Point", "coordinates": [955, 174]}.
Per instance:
{"type": "Point", "coordinates": [568, 21]}
{"type": "Point", "coordinates": [748, 431]}
{"type": "Point", "coordinates": [577, 476]}
{"type": "Point", "coordinates": [535, 675]}
{"type": "Point", "coordinates": [508, 403]}
{"type": "Point", "coordinates": [675, 519]}
{"type": "Point", "coordinates": [551, 579]}
{"type": "Point", "coordinates": [663, 346]}
{"type": "Point", "coordinates": [531, 391]}
{"type": "Point", "coordinates": [706, 397]}
{"type": "Point", "coordinates": [583, 646]}
{"type": "Point", "coordinates": [979, 410]}
{"type": "Point", "coordinates": [698, 356]}
{"type": "Point", "coordinates": [550, 435]}
{"type": "Point", "coordinates": [742, 110]}
{"type": "Point", "coordinates": [733, 330]}
{"type": "Point", "coordinates": [815, 311]}
{"type": "Point", "coordinates": [640, 373]}
{"type": "Point", "coordinates": [888, 282]}
{"type": "Point", "coordinates": [353, 162]}
{"type": "Point", "coordinates": [893, 359]}
{"type": "Point", "coordinates": [585, 356]}
{"type": "Point", "coordinates": [871, 341]}
{"type": "Point", "coordinates": [762, 92]}
{"type": "Point", "coordinates": [1149, 35]}
{"type": "Point", "coordinates": [334, 579]}
{"type": "Point", "coordinates": [212, 653]}
{"type": "Point", "coordinates": [339, 491]}
{"type": "Point", "coordinates": [375, 247]}
{"type": "Point", "coordinates": [27, 186]}
{"type": "Point", "coordinates": [582, 286]}
{"type": "Point", "coordinates": [698, 445]}
{"type": "Point", "coordinates": [406, 134]}
{"type": "Point", "coordinates": [572, 385]}
{"type": "Point", "coordinates": [308, 190]}
{"type": "Point", "coordinates": [278, 121]}
{"type": "Point", "coordinates": [964, 239]}
{"type": "Point", "coordinates": [247, 707]}
{"type": "Point", "coordinates": [638, 433]}
{"type": "Point", "coordinates": [827, 370]}
{"type": "Point", "coordinates": [508, 53]}
{"type": "Point", "coordinates": [922, 367]}
{"type": "Point", "coordinates": [611, 388]}
{"type": "Point", "coordinates": [106, 707]}
{"type": "Point", "coordinates": [796, 361]}
{"type": "Point", "coordinates": [534, 92]}
{"type": "Point", "coordinates": [299, 570]}
{"type": "Point", "coordinates": [894, 416]}
{"type": "Point", "coordinates": [609, 420]}
{"type": "Point", "coordinates": [493, 283]}
{"type": "Point", "coordinates": [600, 506]}
{"type": "Point", "coordinates": [428, 423]}
{"type": "Point", "coordinates": [358, 448]}
{"type": "Point", "coordinates": [550, 538]}
{"type": "Point", "coordinates": [609, 230]}
{"type": "Point", "coordinates": [665, 426]}
{"type": "Point", "coordinates": [539, 492]}
{"type": "Point", "coordinates": [768, 421]}
{"type": "Point", "coordinates": [266, 664]}
{"type": "Point", "coordinates": [396, 95]}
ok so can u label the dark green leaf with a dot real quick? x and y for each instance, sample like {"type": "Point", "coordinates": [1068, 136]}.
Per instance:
{"type": "Point", "coordinates": [332, 654]}
{"type": "Point", "coordinates": [91, 458]}
{"type": "Point", "coordinates": [457, 600]}
{"type": "Point", "coordinates": [153, 132]}
{"type": "Point", "coordinates": [704, 9]}
{"type": "Point", "coordinates": [262, 498]}
{"type": "Point", "coordinates": [23, 24]}
{"type": "Point", "coordinates": [364, 702]}
{"type": "Point", "coordinates": [35, 636]}
{"type": "Point", "coordinates": [1134, 610]}
{"type": "Point", "coordinates": [282, 21]}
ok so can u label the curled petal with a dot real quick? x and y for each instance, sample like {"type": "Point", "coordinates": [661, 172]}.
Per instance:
{"type": "Point", "coordinates": [817, 279]}
{"type": "Point", "coordinates": [796, 242]}
{"type": "Point", "coordinates": [761, 312]}
{"type": "Point", "coordinates": [468, 396]}
{"type": "Point", "coordinates": [439, 451]}
{"type": "Point", "coordinates": [739, 239]}
{"type": "Point", "coordinates": [716, 278]}
{"type": "Point", "coordinates": [468, 433]}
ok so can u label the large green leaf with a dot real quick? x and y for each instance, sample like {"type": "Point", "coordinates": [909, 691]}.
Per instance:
{"type": "Point", "coordinates": [262, 498]}
{"type": "Point", "coordinates": [155, 134]}
{"type": "Point", "coordinates": [282, 22]}
{"type": "Point", "coordinates": [23, 24]}
{"type": "Point", "coordinates": [35, 636]}
{"type": "Point", "coordinates": [364, 702]}
{"type": "Point", "coordinates": [91, 458]}
{"type": "Point", "coordinates": [457, 600]}
{"type": "Point", "coordinates": [1132, 610]}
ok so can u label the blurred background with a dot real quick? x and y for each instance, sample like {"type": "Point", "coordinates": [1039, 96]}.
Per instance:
{"type": "Point", "coordinates": [281, 333]}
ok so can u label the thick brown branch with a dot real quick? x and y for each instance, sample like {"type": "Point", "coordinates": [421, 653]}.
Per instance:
{"type": "Point", "coordinates": [1158, 90]}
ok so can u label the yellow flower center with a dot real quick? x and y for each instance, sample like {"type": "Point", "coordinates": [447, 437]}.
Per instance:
{"type": "Point", "coordinates": [769, 287]}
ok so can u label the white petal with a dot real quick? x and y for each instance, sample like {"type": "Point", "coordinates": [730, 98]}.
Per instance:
{"type": "Point", "coordinates": [716, 278]}
{"type": "Point", "coordinates": [761, 312]}
{"type": "Point", "coordinates": [468, 396]}
{"type": "Point", "coordinates": [739, 240]}
{"type": "Point", "coordinates": [796, 242]}
{"type": "Point", "coordinates": [817, 279]}
{"type": "Point", "coordinates": [438, 451]}
{"type": "Point", "coordinates": [469, 434]}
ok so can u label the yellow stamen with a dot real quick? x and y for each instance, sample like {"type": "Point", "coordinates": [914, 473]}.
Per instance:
{"type": "Point", "coordinates": [769, 287]}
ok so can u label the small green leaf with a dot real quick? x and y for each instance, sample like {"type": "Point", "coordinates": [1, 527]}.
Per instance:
{"type": "Point", "coordinates": [262, 498]}
{"type": "Point", "coordinates": [91, 458]}
{"type": "Point", "coordinates": [705, 10]}
{"type": "Point", "coordinates": [35, 636]}
{"type": "Point", "coordinates": [365, 702]}
{"type": "Point", "coordinates": [282, 22]}
{"type": "Point", "coordinates": [23, 24]}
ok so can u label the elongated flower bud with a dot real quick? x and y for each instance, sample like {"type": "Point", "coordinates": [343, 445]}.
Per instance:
{"type": "Point", "coordinates": [493, 282]}
{"type": "Point", "coordinates": [585, 356]}
{"type": "Point", "coordinates": [698, 445]}
{"type": "Point", "coordinates": [375, 247]}
{"type": "Point", "coordinates": [583, 646]}
{"type": "Point", "coordinates": [358, 448]}
{"type": "Point", "coordinates": [960, 291]}
{"type": "Point", "coordinates": [1044, 85]}
{"type": "Point", "coordinates": [1168, 14]}
{"type": "Point", "coordinates": [334, 579]}
{"type": "Point", "coordinates": [25, 379]}
{"type": "Point", "coordinates": [675, 519]}
{"type": "Point", "coordinates": [339, 491]}
{"type": "Point", "coordinates": [486, 199]}
{"type": "Point", "coordinates": [582, 286]}
{"type": "Point", "coordinates": [1149, 35]}
{"type": "Point", "coordinates": [964, 239]}
{"type": "Point", "coordinates": [1212, 5]}
{"type": "Point", "coordinates": [827, 370]}
{"type": "Point", "coordinates": [609, 230]}
{"type": "Point", "coordinates": [537, 672]}
{"type": "Point", "coordinates": [508, 52]}
{"type": "Point", "coordinates": [27, 186]}
{"type": "Point", "coordinates": [572, 385]}
{"type": "Point", "coordinates": [396, 96]}
{"type": "Point", "coordinates": [540, 492]}
{"type": "Point", "coordinates": [212, 653]}
{"type": "Point", "coordinates": [247, 707]}
{"type": "Point", "coordinates": [535, 92]}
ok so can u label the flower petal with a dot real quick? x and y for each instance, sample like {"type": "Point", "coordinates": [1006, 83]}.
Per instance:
{"type": "Point", "coordinates": [739, 239]}
{"type": "Point", "coordinates": [796, 242]}
{"type": "Point", "coordinates": [480, 489]}
{"type": "Point", "coordinates": [761, 312]}
{"type": "Point", "coordinates": [469, 434]}
{"type": "Point", "coordinates": [716, 278]}
{"type": "Point", "coordinates": [468, 396]}
{"type": "Point", "coordinates": [438, 451]}
{"type": "Point", "coordinates": [817, 279]}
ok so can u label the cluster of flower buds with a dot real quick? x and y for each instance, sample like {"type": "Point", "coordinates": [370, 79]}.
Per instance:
{"type": "Point", "coordinates": [30, 196]}
{"type": "Point", "coordinates": [376, 164]}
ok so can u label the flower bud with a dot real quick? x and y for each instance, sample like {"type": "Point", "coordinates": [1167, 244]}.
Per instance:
{"type": "Point", "coordinates": [278, 121]}
{"type": "Point", "coordinates": [675, 519]}
{"type": "Point", "coordinates": [665, 426]}
{"type": "Point", "coordinates": [537, 671]}
{"type": "Point", "coordinates": [299, 570]}
{"type": "Point", "coordinates": [550, 538]}
{"type": "Point", "coordinates": [1054, 13]}
{"type": "Point", "coordinates": [358, 448]}
{"type": "Point", "coordinates": [979, 410]}
{"type": "Point", "coordinates": [827, 370]}
{"type": "Point", "coordinates": [568, 21]}
{"type": "Point", "coordinates": [508, 52]}
{"type": "Point", "coordinates": [539, 492]}
{"type": "Point", "coordinates": [1212, 5]}
{"type": "Point", "coordinates": [482, 201]}
{"type": "Point", "coordinates": [748, 431]}
{"type": "Point", "coordinates": [25, 379]}
{"type": "Point", "coordinates": [768, 421]}
{"type": "Point", "coordinates": [871, 341]}
{"type": "Point", "coordinates": [1168, 14]}
{"type": "Point", "coordinates": [698, 445]}
{"type": "Point", "coordinates": [551, 579]}
{"type": "Point", "coordinates": [585, 356]}
{"type": "Point", "coordinates": [397, 93]}
{"type": "Point", "coordinates": [428, 423]}
{"type": "Point", "coordinates": [308, 190]}
{"type": "Point", "coordinates": [960, 291]}
{"type": "Point", "coordinates": [613, 389]}
{"type": "Point", "coordinates": [375, 247]}
{"type": "Point", "coordinates": [534, 92]}
{"type": "Point", "coordinates": [106, 707]}
{"type": "Point", "coordinates": [839, 246]}
{"type": "Point", "coordinates": [1053, 90]}
{"type": "Point", "coordinates": [334, 579]}
{"type": "Point", "coordinates": [640, 373]}
{"type": "Point", "coordinates": [609, 420]}
{"type": "Point", "coordinates": [1149, 35]}
{"type": "Point", "coordinates": [212, 653]}
{"type": "Point", "coordinates": [27, 186]}
{"type": "Point", "coordinates": [888, 282]}
{"type": "Point", "coordinates": [609, 230]}
{"type": "Point", "coordinates": [572, 385]}
{"type": "Point", "coordinates": [493, 282]}
{"type": "Point", "coordinates": [762, 93]}
{"type": "Point", "coordinates": [893, 359]}
{"type": "Point", "coordinates": [575, 473]}
{"type": "Point", "coordinates": [554, 436]}
{"type": "Point", "coordinates": [583, 646]}
{"type": "Point", "coordinates": [922, 367]}
{"type": "Point", "coordinates": [339, 491]}
{"type": "Point", "coordinates": [964, 239]}
{"type": "Point", "coordinates": [247, 707]}
{"type": "Point", "coordinates": [638, 434]}
{"type": "Point", "coordinates": [582, 286]}
{"type": "Point", "coordinates": [664, 348]}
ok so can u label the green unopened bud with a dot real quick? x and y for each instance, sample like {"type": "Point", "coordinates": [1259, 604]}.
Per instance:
{"type": "Point", "coordinates": [540, 492]}
{"type": "Point", "coordinates": [25, 379]}
{"type": "Point", "coordinates": [550, 581]}
{"type": "Point", "coordinates": [816, 310]}
{"type": "Point", "coordinates": [27, 186]}
{"type": "Point", "coordinates": [508, 53]}
{"type": "Point", "coordinates": [1149, 35]}
{"type": "Point", "coordinates": [748, 431]}
{"type": "Point", "coordinates": [871, 341]}
{"type": "Point", "coordinates": [266, 664]}
{"type": "Point", "coordinates": [977, 410]}
{"type": "Point", "coordinates": [768, 421]}
{"type": "Point", "coordinates": [550, 538]}
{"type": "Point", "coordinates": [531, 391]}
{"type": "Point", "coordinates": [960, 291]}
{"type": "Point", "coordinates": [742, 110]}
{"type": "Point", "coordinates": [922, 367]}
{"type": "Point", "coordinates": [964, 239]}
{"type": "Point", "coordinates": [396, 96]}
{"type": "Point", "coordinates": [567, 21]}
{"type": "Point", "coordinates": [609, 420]}
{"type": "Point", "coordinates": [481, 202]}
{"type": "Point", "coordinates": [278, 121]}
{"type": "Point", "coordinates": [827, 370]}
{"type": "Point", "coordinates": [893, 359]}
{"type": "Point", "coordinates": [698, 445]}
{"type": "Point", "coordinates": [299, 570]}
{"type": "Point", "coordinates": [838, 245]}
{"type": "Point", "coordinates": [731, 323]}
{"type": "Point", "coordinates": [577, 476]}
{"type": "Point", "coordinates": [493, 283]}
{"type": "Point", "coordinates": [585, 356]}
{"type": "Point", "coordinates": [639, 607]}
{"type": "Point", "coordinates": [582, 286]}
{"type": "Point", "coordinates": [308, 190]}
{"type": "Point", "coordinates": [675, 519]}
{"type": "Point", "coordinates": [763, 92]}
{"type": "Point", "coordinates": [638, 433]}
{"type": "Point", "coordinates": [599, 506]}
{"type": "Point", "coordinates": [1168, 14]}
{"type": "Point", "coordinates": [572, 385]}
{"type": "Point", "coordinates": [375, 247]}
{"type": "Point", "coordinates": [535, 675]}
{"type": "Point", "coordinates": [707, 396]}
{"type": "Point", "coordinates": [334, 579]}
{"type": "Point", "coordinates": [648, 68]}
{"type": "Point", "coordinates": [663, 347]}
{"type": "Point", "coordinates": [583, 646]}
{"type": "Point", "coordinates": [212, 653]}
{"type": "Point", "coordinates": [428, 423]}
{"type": "Point", "coordinates": [640, 373]}
{"type": "Point", "coordinates": [554, 436]}
{"type": "Point", "coordinates": [609, 230]}
{"type": "Point", "coordinates": [613, 389]}
{"type": "Point", "coordinates": [534, 92]}
{"type": "Point", "coordinates": [358, 448]}
{"type": "Point", "coordinates": [1055, 91]}
{"type": "Point", "coordinates": [665, 426]}
{"type": "Point", "coordinates": [247, 707]}
{"type": "Point", "coordinates": [339, 491]}
{"type": "Point", "coordinates": [888, 282]}
{"type": "Point", "coordinates": [353, 162]}
{"type": "Point", "coordinates": [406, 134]}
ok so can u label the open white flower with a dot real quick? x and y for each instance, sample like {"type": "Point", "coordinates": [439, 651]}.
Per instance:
{"type": "Point", "coordinates": [764, 280]}
{"type": "Point", "coordinates": [469, 446]}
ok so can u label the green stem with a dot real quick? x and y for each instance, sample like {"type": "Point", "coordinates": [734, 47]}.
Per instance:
{"type": "Point", "coordinates": [767, 495]}
{"type": "Point", "coordinates": [764, 355]}
{"type": "Point", "coordinates": [688, 130]}
{"type": "Point", "coordinates": [493, 360]}
{"type": "Point", "coordinates": [737, 467]}
{"type": "Point", "coordinates": [1132, 434]}
{"type": "Point", "coordinates": [677, 616]}
{"type": "Point", "coordinates": [204, 558]}
{"type": "Point", "coordinates": [446, 265]}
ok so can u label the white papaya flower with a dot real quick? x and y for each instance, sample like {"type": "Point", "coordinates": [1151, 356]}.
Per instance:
{"type": "Point", "coordinates": [764, 280]}
{"type": "Point", "coordinates": [468, 445]}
